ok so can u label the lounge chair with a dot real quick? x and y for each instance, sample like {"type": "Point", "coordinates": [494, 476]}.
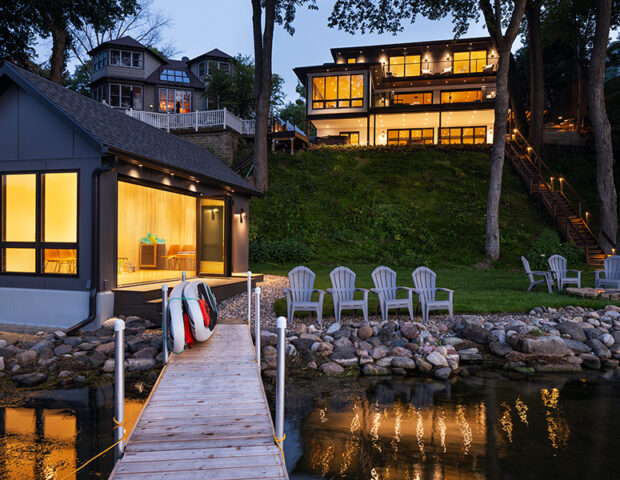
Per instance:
{"type": "Point", "coordinates": [547, 278]}
{"type": "Point", "coordinates": [424, 287]}
{"type": "Point", "coordinates": [610, 277]}
{"type": "Point", "coordinates": [557, 265]}
{"type": "Point", "coordinates": [299, 296]}
{"type": "Point", "coordinates": [343, 290]}
{"type": "Point", "coordinates": [384, 279]}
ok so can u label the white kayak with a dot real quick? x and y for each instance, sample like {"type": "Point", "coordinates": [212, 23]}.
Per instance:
{"type": "Point", "coordinates": [201, 308]}
{"type": "Point", "coordinates": [176, 329]}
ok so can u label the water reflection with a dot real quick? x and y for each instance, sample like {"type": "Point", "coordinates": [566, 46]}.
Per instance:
{"type": "Point", "coordinates": [51, 433]}
{"type": "Point", "coordinates": [481, 429]}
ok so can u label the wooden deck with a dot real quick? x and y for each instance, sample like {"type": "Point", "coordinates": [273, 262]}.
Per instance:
{"type": "Point", "coordinates": [207, 419]}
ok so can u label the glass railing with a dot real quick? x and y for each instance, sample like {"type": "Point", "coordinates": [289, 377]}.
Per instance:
{"type": "Point", "coordinates": [451, 67]}
{"type": "Point", "coordinates": [486, 95]}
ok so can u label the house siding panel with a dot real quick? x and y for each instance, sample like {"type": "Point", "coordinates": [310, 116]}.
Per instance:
{"type": "Point", "coordinates": [151, 63]}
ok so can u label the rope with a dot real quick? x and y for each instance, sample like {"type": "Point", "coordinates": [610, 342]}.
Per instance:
{"type": "Point", "coordinates": [278, 440]}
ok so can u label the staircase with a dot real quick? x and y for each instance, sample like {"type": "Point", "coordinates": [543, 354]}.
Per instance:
{"type": "Point", "coordinates": [570, 215]}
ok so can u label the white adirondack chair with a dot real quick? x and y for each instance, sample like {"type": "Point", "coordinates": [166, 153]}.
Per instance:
{"type": "Point", "coordinates": [547, 278]}
{"type": "Point", "coordinates": [424, 287]}
{"type": "Point", "coordinates": [557, 265]}
{"type": "Point", "coordinates": [610, 277]}
{"type": "Point", "coordinates": [299, 296]}
{"type": "Point", "coordinates": [343, 290]}
{"type": "Point", "coordinates": [384, 279]}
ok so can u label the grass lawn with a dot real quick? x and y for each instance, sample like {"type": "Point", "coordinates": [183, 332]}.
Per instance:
{"type": "Point", "coordinates": [476, 291]}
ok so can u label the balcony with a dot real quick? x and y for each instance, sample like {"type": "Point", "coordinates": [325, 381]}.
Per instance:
{"type": "Point", "coordinates": [195, 120]}
{"type": "Point", "coordinates": [447, 68]}
{"type": "Point", "coordinates": [424, 100]}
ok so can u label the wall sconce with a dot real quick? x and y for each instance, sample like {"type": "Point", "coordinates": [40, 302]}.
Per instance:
{"type": "Point", "coordinates": [448, 57]}
{"type": "Point", "coordinates": [241, 215]}
{"type": "Point", "coordinates": [492, 54]}
{"type": "Point", "coordinates": [213, 213]}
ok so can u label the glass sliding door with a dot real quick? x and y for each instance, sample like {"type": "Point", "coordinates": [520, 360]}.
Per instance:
{"type": "Point", "coordinates": [213, 225]}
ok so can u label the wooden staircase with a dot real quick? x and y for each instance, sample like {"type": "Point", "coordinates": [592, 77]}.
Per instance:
{"type": "Point", "coordinates": [570, 215]}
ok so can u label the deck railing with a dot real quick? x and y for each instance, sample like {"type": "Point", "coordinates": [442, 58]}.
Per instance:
{"type": "Point", "coordinates": [194, 120]}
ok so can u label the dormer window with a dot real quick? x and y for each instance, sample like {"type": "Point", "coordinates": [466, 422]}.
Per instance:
{"type": "Point", "coordinates": [168, 75]}
{"type": "Point", "coordinates": [207, 67]}
{"type": "Point", "coordinates": [126, 58]}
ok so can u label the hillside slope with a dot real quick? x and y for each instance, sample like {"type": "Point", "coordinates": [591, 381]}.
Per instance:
{"type": "Point", "coordinates": [398, 206]}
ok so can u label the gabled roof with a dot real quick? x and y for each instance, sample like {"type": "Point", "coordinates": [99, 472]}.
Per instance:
{"type": "Point", "coordinates": [114, 130]}
{"type": "Point", "coordinates": [127, 42]}
{"type": "Point", "coordinates": [215, 53]}
{"type": "Point", "coordinates": [194, 81]}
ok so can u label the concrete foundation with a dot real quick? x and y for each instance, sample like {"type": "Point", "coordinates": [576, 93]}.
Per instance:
{"type": "Point", "coordinates": [227, 145]}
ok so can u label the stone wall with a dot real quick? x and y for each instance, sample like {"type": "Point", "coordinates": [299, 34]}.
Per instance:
{"type": "Point", "coordinates": [227, 145]}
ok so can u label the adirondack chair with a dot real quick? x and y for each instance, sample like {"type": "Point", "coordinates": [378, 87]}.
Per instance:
{"type": "Point", "coordinates": [424, 287]}
{"type": "Point", "coordinates": [547, 278]}
{"type": "Point", "coordinates": [384, 279]}
{"type": "Point", "coordinates": [299, 296]}
{"type": "Point", "coordinates": [343, 283]}
{"type": "Point", "coordinates": [557, 265]}
{"type": "Point", "coordinates": [610, 277]}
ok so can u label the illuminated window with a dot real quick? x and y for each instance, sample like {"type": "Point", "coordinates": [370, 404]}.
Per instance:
{"type": "Point", "coordinates": [417, 98]}
{"type": "Point", "coordinates": [175, 101]}
{"type": "Point", "coordinates": [338, 91]}
{"type": "Point", "coordinates": [168, 75]}
{"type": "Point", "coordinates": [125, 96]}
{"type": "Point", "coordinates": [354, 137]}
{"type": "Point", "coordinates": [39, 223]}
{"type": "Point", "coordinates": [461, 96]}
{"type": "Point", "coordinates": [463, 135]}
{"type": "Point", "coordinates": [404, 66]}
{"type": "Point", "coordinates": [469, 62]}
{"type": "Point", "coordinates": [408, 136]}
{"type": "Point", "coordinates": [351, 60]}
{"type": "Point", "coordinates": [125, 58]}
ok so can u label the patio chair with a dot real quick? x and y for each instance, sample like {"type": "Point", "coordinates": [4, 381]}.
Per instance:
{"type": "Point", "coordinates": [557, 265]}
{"type": "Point", "coordinates": [342, 291]}
{"type": "Point", "coordinates": [547, 278]}
{"type": "Point", "coordinates": [384, 279]}
{"type": "Point", "coordinates": [173, 256]}
{"type": "Point", "coordinates": [299, 296]}
{"type": "Point", "coordinates": [446, 71]}
{"type": "Point", "coordinates": [610, 277]}
{"type": "Point", "coordinates": [488, 68]}
{"type": "Point", "coordinates": [424, 287]}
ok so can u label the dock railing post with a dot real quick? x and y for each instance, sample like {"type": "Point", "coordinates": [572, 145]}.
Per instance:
{"type": "Point", "coordinates": [249, 297]}
{"type": "Point", "coordinates": [164, 320]}
{"type": "Point", "coordinates": [257, 324]}
{"type": "Point", "coordinates": [280, 378]}
{"type": "Point", "coordinates": [119, 388]}
{"type": "Point", "coordinates": [183, 275]}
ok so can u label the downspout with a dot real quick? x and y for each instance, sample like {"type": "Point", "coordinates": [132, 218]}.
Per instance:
{"type": "Point", "coordinates": [94, 264]}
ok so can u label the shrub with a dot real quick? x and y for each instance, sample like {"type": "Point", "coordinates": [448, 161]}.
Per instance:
{"type": "Point", "coordinates": [279, 251]}
{"type": "Point", "coordinates": [547, 244]}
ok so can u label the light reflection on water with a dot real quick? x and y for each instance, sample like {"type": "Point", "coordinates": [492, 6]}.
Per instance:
{"type": "Point", "coordinates": [472, 429]}
{"type": "Point", "coordinates": [48, 434]}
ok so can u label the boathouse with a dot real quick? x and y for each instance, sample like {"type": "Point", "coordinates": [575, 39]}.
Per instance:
{"type": "Point", "coordinates": [95, 203]}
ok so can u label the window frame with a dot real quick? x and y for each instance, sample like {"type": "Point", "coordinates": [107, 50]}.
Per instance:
{"type": "Point", "coordinates": [174, 96]}
{"type": "Point", "coordinates": [39, 245]}
{"type": "Point", "coordinates": [338, 100]}
{"type": "Point", "coordinates": [469, 60]}
{"type": "Point", "coordinates": [423, 93]}
{"type": "Point", "coordinates": [451, 91]}
{"type": "Point", "coordinates": [120, 95]}
{"type": "Point", "coordinates": [100, 60]}
{"type": "Point", "coordinates": [348, 135]}
{"type": "Point", "coordinates": [409, 141]}
{"type": "Point", "coordinates": [460, 137]}
{"type": "Point", "coordinates": [405, 64]}
{"type": "Point", "coordinates": [131, 58]}
{"type": "Point", "coordinates": [165, 75]}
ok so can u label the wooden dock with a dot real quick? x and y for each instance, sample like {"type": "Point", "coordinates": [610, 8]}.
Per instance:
{"type": "Point", "coordinates": [207, 419]}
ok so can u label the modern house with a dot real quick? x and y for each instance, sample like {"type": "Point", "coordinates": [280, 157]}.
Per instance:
{"type": "Point", "coordinates": [424, 92]}
{"type": "Point", "coordinates": [93, 201]}
{"type": "Point", "coordinates": [127, 74]}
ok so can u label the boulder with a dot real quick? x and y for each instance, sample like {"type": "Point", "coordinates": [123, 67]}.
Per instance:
{"type": "Point", "coordinates": [140, 364]}
{"type": "Point", "coordinates": [109, 366]}
{"type": "Point", "coordinates": [344, 358]}
{"type": "Point", "coordinates": [576, 347]}
{"type": "Point", "coordinates": [470, 355]}
{"type": "Point", "coordinates": [331, 368]}
{"type": "Point", "coordinates": [403, 362]}
{"type": "Point", "coordinates": [574, 330]}
{"type": "Point", "coordinates": [385, 362]}
{"type": "Point", "coordinates": [379, 352]}
{"type": "Point", "coordinates": [590, 361]}
{"type": "Point", "coordinates": [106, 348]}
{"type": "Point", "coordinates": [29, 379]}
{"type": "Point", "coordinates": [45, 353]}
{"type": "Point", "coordinates": [146, 352]}
{"type": "Point", "coordinates": [342, 332]}
{"type": "Point", "coordinates": [363, 345]}
{"type": "Point", "coordinates": [290, 351]}
{"type": "Point", "coordinates": [398, 342]}
{"type": "Point", "coordinates": [472, 320]}
{"type": "Point", "coordinates": [423, 365]}
{"type": "Point", "coordinates": [269, 351]}
{"type": "Point", "coordinates": [268, 338]}
{"type": "Point", "coordinates": [310, 336]}
{"type": "Point", "coordinates": [304, 347]}
{"type": "Point", "coordinates": [592, 333]}
{"type": "Point", "coordinates": [443, 373]}
{"type": "Point", "coordinates": [1, 364]}
{"type": "Point", "coordinates": [334, 327]}
{"type": "Point", "coordinates": [374, 370]}
{"type": "Point", "coordinates": [612, 308]}
{"type": "Point", "coordinates": [610, 363]}
{"type": "Point", "coordinates": [400, 372]}
{"type": "Point", "coordinates": [365, 332]}
{"type": "Point", "coordinates": [365, 360]}
{"type": "Point", "coordinates": [87, 346]}
{"type": "Point", "coordinates": [9, 351]}
{"type": "Point", "coordinates": [401, 352]}
{"type": "Point", "coordinates": [3, 343]}
{"type": "Point", "coordinates": [97, 359]}
{"type": "Point", "coordinates": [343, 342]}
{"type": "Point", "coordinates": [500, 348]}
{"type": "Point", "coordinates": [62, 350]}
{"type": "Point", "coordinates": [385, 334]}
{"type": "Point", "coordinates": [476, 334]}
{"type": "Point", "coordinates": [607, 339]}
{"type": "Point", "coordinates": [599, 349]}
{"type": "Point", "coordinates": [134, 344]}
{"type": "Point", "coordinates": [73, 341]}
{"type": "Point", "coordinates": [27, 357]}
{"type": "Point", "coordinates": [409, 330]}
{"type": "Point", "coordinates": [312, 365]}
{"type": "Point", "coordinates": [437, 359]}
{"type": "Point", "coordinates": [541, 345]}
{"type": "Point", "coordinates": [453, 341]}
{"type": "Point", "coordinates": [42, 345]}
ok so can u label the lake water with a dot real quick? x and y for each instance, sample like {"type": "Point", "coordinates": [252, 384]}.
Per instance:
{"type": "Point", "coordinates": [563, 427]}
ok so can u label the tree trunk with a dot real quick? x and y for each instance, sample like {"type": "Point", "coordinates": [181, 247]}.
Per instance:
{"type": "Point", "coordinates": [263, 42]}
{"type": "Point", "coordinates": [497, 157]}
{"type": "Point", "coordinates": [59, 46]}
{"type": "Point", "coordinates": [537, 76]}
{"type": "Point", "coordinates": [579, 68]}
{"type": "Point", "coordinates": [608, 199]}
{"type": "Point", "coordinates": [516, 99]}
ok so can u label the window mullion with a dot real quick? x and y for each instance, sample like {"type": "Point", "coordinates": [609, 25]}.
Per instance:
{"type": "Point", "coordinates": [40, 194]}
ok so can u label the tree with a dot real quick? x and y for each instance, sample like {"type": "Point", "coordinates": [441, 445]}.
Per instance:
{"type": "Point", "coordinates": [537, 74]}
{"type": "Point", "coordinates": [80, 80]}
{"type": "Point", "coordinates": [296, 113]}
{"type": "Point", "coordinates": [235, 90]}
{"type": "Point", "coordinates": [388, 16]}
{"type": "Point", "coordinates": [16, 33]}
{"type": "Point", "coordinates": [608, 199]}
{"type": "Point", "coordinates": [275, 11]}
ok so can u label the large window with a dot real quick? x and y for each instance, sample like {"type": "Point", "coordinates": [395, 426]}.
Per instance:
{"type": "Point", "coordinates": [100, 93]}
{"type": "Point", "coordinates": [207, 67]}
{"type": "Point", "coordinates": [125, 96]}
{"type": "Point", "coordinates": [156, 234]}
{"type": "Point", "coordinates": [469, 62]}
{"type": "Point", "coordinates": [461, 96]}
{"type": "Point", "coordinates": [100, 60]}
{"type": "Point", "coordinates": [168, 75]}
{"type": "Point", "coordinates": [404, 66]}
{"type": "Point", "coordinates": [338, 91]}
{"type": "Point", "coordinates": [175, 101]}
{"type": "Point", "coordinates": [354, 137]}
{"type": "Point", "coordinates": [39, 223]}
{"type": "Point", "coordinates": [408, 136]}
{"type": "Point", "coordinates": [466, 135]}
{"type": "Point", "coordinates": [126, 58]}
{"type": "Point", "coordinates": [413, 98]}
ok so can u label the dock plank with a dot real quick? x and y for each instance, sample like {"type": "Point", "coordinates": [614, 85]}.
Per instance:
{"type": "Point", "coordinates": [207, 418]}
